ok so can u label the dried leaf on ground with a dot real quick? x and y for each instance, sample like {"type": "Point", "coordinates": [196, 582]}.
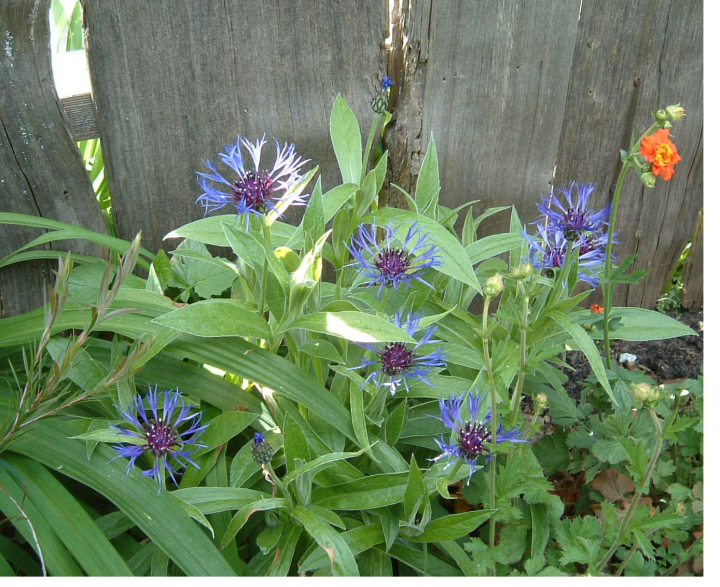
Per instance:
{"type": "Point", "coordinates": [613, 484]}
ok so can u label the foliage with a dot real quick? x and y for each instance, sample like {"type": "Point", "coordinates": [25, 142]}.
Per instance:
{"type": "Point", "coordinates": [310, 464]}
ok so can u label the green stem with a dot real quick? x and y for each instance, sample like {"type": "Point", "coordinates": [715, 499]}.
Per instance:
{"type": "Point", "coordinates": [369, 143]}
{"type": "Point", "coordinates": [493, 411]}
{"type": "Point", "coordinates": [281, 485]}
{"type": "Point", "coordinates": [517, 394]}
{"type": "Point", "coordinates": [621, 568]}
{"type": "Point", "coordinates": [638, 493]}
{"type": "Point", "coordinates": [682, 559]}
{"type": "Point", "coordinates": [609, 288]}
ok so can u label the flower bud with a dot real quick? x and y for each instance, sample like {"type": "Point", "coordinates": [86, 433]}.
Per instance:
{"type": "Point", "coordinates": [640, 391]}
{"type": "Point", "coordinates": [380, 103]}
{"type": "Point", "coordinates": [493, 286]}
{"type": "Point", "coordinates": [261, 451]}
{"type": "Point", "coordinates": [521, 272]}
{"type": "Point", "coordinates": [675, 112]}
{"type": "Point", "coordinates": [653, 394]}
{"type": "Point", "coordinates": [648, 179]}
{"type": "Point", "coordinates": [661, 116]}
{"type": "Point", "coordinates": [541, 401]}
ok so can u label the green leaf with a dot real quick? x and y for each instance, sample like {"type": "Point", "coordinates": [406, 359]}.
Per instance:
{"type": "Point", "coordinates": [245, 247]}
{"type": "Point", "coordinates": [108, 435]}
{"type": "Point", "coordinates": [346, 140]}
{"type": "Point", "coordinates": [357, 411]}
{"type": "Point", "coordinates": [217, 318]}
{"type": "Point", "coordinates": [552, 452]}
{"type": "Point", "coordinates": [342, 560]}
{"type": "Point", "coordinates": [212, 500]}
{"type": "Point", "coordinates": [322, 349]}
{"type": "Point", "coordinates": [638, 324]}
{"type": "Point", "coordinates": [244, 513]}
{"type": "Point", "coordinates": [200, 271]}
{"type": "Point", "coordinates": [224, 427]}
{"type": "Point", "coordinates": [608, 451]}
{"type": "Point", "coordinates": [415, 492]}
{"type": "Point", "coordinates": [455, 261]}
{"type": "Point", "coordinates": [210, 231]}
{"type": "Point", "coordinates": [353, 326]}
{"type": "Point", "coordinates": [358, 540]}
{"type": "Point", "coordinates": [493, 245]}
{"type": "Point", "coordinates": [68, 231]}
{"type": "Point", "coordinates": [588, 347]}
{"type": "Point", "coordinates": [453, 526]}
{"type": "Point", "coordinates": [158, 516]}
{"type": "Point", "coordinates": [428, 182]}
{"type": "Point", "coordinates": [369, 492]}
{"type": "Point", "coordinates": [321, 463]}
{"type": "Point", "coordinates": [284, 553]}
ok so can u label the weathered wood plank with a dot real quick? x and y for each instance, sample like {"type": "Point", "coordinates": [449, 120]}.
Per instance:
{"type": "Point", "coordinates": [693, 269]}
{"type": "Point", "coordinates": [41, 171]}
{"type": "Point", "coordinates": [488, 79]}
{"type": "Point", "coordinates": [175, 81]}
{"type": "Point", "coordinates": [632, 58]}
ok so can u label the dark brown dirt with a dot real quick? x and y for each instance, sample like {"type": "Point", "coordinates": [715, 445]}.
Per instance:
{"type": "Point", "coordinates": [666, 361]}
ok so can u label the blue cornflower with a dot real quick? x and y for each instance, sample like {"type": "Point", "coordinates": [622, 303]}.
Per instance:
{"type": "Point", "coordinates": [386, 82]}
{"type": "Point", "coordinates": [164, 436]}
{"type": "Point", "coordinates": [384, 265]}
{"type": "Point", "coordinates": [474, 437]}
{"type": "Point", "coordinates": [252, 191]}
{"type": "Point", "coordinates": [550, 249]}
{"type": "Point", "coordinates": [400, 361]}
{"type": "Point", "coordinates": [574, 220]}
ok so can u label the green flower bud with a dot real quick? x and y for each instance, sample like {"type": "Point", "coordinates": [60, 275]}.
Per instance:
{"type": "Point", "coordinates": [640, 391]}
{"type": "Point", "coordinates": [261, 451]}
{"type": "Point", "coordinates": [675, 112]}
{"type": "Point", "coordinates": [521, 272]}
{"type": "Point", "coordinates": [653, 394]}
{"type": "Point", "coordinates": [648, 179]}
{"type": "Point", "coordinates": [541, 401]}
{"type": "Point", "coordinates": [380, 103]}
{"type": "Point", "coordinates": [493, 286]}
{"type": "Point", "coordinates": [661, 116]}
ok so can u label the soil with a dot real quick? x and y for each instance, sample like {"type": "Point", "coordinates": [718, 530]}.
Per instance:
{"type": "Point", "coordinates": [667, 361]}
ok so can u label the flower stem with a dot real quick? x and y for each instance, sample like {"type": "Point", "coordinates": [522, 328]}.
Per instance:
{"type": "Point", "coordinates": [493, 411]}
{"type": "Point", "coordinates": [608, 288]}
{"type": "Point", "coordinates": [517, 394]}
{"type": "Point", "coordinates": [638, 492]}
{"type": "Point", "coordinates": [368, 145]}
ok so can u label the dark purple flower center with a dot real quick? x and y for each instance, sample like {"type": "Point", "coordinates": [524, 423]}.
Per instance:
{"type": "Point", "coordinates": [253, 190]}
{"type": "Point", "coordinates": [556, 256]}
{"type": "Point", "coordinates": [588, 245]}
{"type": "Point", "coordinates": [392, 263]}
{"type": "Point", "coordinates": [160, 438]}
{"type": "Point", "coordinates": [473, 437]}
{"type": "Point", "coordinates": [396, 358]}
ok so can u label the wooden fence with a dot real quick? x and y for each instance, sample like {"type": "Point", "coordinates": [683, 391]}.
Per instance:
{"type": "Point", "coordinates": [519, 95]}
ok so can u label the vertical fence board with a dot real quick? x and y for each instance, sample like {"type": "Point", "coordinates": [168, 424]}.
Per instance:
{"type": "Point", "coordinates": [175, 81]}
{"type": "Point", "coordinates": [693, 269]}
{"type": "Point", "coordinates": [41, 170]}
{"type": "Point", "coordinates": [488, 79]}
{"type": "Point", "coordinates": [632, 58]}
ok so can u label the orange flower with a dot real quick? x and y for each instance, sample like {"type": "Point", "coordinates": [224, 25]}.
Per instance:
{"type": "Point", "coordinates": [596, 309]}
{"type": "Point", "coordinates": [659, 150]}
